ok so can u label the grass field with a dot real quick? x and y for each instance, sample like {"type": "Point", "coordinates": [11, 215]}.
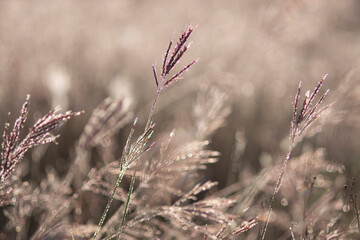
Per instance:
{"type": "Point", "coordinates": [195, 120]}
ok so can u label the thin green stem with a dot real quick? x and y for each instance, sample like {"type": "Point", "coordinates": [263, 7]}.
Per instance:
{"type": "Point", "coordinates": [107, 208]}
{"type": "Point", "coordinates": [131, 188]}
{"type": "Point", "coordinates": [277, 188]}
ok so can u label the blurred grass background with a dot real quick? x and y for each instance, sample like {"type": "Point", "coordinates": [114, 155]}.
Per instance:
{"type": "Point", "coordinates": [76, 53]}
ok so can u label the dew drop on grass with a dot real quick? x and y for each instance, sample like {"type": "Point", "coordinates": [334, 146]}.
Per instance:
{"type": "Point", "coordinates": [346, 208]}
{"type": "Point", "coordinates": [78, 211]}
{"type": "Point", "coordinates": [320, 181]}
{"type": "Point", "coordinates": [330, 168]}
{"type": "Point", "coordinates": [245, 209]}
{"type": "Point", "coordinates": [284, 202]}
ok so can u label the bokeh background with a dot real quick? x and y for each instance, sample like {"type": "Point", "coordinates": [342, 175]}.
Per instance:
{"type": "Point", "coordinates": [77, 53]}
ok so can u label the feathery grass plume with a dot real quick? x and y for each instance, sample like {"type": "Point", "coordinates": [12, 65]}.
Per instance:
{"type": "Point", "coordinates": [159, 181]}
{"type": "Point", "coordinates": [24, 197]}
{"type": "Point", "coordinates": [168, 64]}
{"type": "Point", "coordinates": [310, 193]}
{"type": "Point", "coordinates": [158, 202]}
{"type": "Point", "coordinates": [132, 152]}
{"type": "Point", "coordinates": [172, 166]}
{"type": "Point", "coordinates": [104, 122]}
{"type": "Point", "coordinates": [13, 150]}
{"type": "Point", "coordinates": [182, 213]}
{"type": "Point", "coordinates": [309, 196]}
{"type": "Point", "coordinates": [300, 122]}
{"type": "Point", "coordinates": [158, 188]}
{"type": "Point", "coordinates": [210, 111]}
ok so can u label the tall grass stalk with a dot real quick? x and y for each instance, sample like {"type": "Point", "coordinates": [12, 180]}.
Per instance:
{"type": "Point", "coordinates": [133, 152]}
{"type": "Point", "coordinates": [300, 122]}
